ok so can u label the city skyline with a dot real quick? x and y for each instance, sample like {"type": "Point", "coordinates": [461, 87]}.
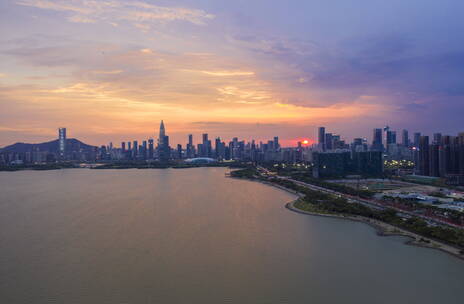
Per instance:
{"type": "Point", "coordinates": [331, 156]}
{"type": "Point", "coordinates": [311, 140]}
{"type": "Point", "coordinates": [108, 70]}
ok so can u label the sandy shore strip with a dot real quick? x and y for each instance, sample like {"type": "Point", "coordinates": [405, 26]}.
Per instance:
{"type": "Point", "coordinates": [384, 229]}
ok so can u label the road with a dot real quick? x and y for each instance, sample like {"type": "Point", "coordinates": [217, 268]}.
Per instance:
{"type": "Point", "coordinates": [366, 202]}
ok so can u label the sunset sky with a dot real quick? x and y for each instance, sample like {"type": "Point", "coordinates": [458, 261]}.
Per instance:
{"type": "Point", "coordinates": [111, 70]}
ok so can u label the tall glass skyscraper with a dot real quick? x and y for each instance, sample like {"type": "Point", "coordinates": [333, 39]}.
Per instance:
{"type": "Point", "coordinates": [164, 151]}
{"type": "Point", "coordinates": [162, 134]}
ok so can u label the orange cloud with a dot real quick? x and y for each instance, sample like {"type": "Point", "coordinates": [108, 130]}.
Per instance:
{"type": "Point", "coordinates": [127, 91]}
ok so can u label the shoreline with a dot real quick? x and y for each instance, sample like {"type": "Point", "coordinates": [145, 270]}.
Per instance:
{"type": "Point", "coordinates": [385, 229]}
{"type": "Point", "coordinates": [381, 228]}
{"type": "Point", "coordinates": [106, 168]}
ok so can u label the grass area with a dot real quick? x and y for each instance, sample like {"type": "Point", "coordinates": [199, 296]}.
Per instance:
{"type": "Point", "coordinates": [335, 187]}
{"type": "Point", "coordinates": [249, 173]}
{"type": "Point", "coordinates": [305, 206]}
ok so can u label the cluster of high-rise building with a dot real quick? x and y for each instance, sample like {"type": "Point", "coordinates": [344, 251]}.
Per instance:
{"type": "Point", "coordinates": [64, 149]}
{"type": "Point", "coordinates": [218, 149]}
{"type": "Point", "coordinates": [333, 157]}
{"type": "Point", "coordinates": [328, 141]}
{"type": "Point", "coordinates": [441, 156]}
{"type": "Point", "coordinates": [383, 140]}
{"type": "Point", "coordinates": [132, 150]}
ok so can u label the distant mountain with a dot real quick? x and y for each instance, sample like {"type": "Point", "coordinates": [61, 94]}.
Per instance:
{"type": "Point", "coordinates": [72, 144]}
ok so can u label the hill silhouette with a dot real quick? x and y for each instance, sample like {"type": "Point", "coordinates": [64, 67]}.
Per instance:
{"type": "Point", "coordinates": [72, 144]}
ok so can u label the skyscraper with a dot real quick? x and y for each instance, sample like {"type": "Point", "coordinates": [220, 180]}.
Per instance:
{"type": "Point", "coordinates": [460, 146]}
{"type": "Point", "coordinates": [357, 145]}
{"type": "Point", "coordinates": [179, 151]}
{"type": "Point", "coordinates": [276, 143]}
{"type": "Point", "coordinates": [164, 151]}
{"type": "Point", "coordinates": [144, 150]}
{"type": "Point", "coordinates": [424, 156]}
{"type": "Point", "coordinates": [405, 138]}
{"type": "Point", "coordinates": [434, 155]}
{"type": "Point", "coordinates": [135, 148]}
{"type": "Point", "coordinates": [437, 138]}
{"type": "Point", "coordinates": [434, 158]}
{"type": "Point", "coordinates": [321, 138]}
{"type": "Point", "coordinates": [162, 134]}
{"type": "Point", "coordinates": [217, 145]}
{"type": "Point", "coordinates": [150, 148]}
{"type": "Point", "coordinates": [377, 140]}
{"type": "Point", "coordinates": [62, 143]}
{"type": "Point", "coordinates": [219, 149]}
{"type": "Point", "coordinates": [190, 147]}
{"type": "Point", "coordinates": [328, 141]}
{"type": "Point", "coordinates": [206, 146]}
{"type": "Point", "coordinates": [391, 137]}
{"type": "Point", "coordinates": [445, 163]}
{"type": "Point", "coordinates": [390, 141]}
{"type": "Point", "coordinates": [417, 136]}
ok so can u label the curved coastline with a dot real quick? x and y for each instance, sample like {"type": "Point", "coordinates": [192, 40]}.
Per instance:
{"type": "Point", "coordinates": [382, 228]}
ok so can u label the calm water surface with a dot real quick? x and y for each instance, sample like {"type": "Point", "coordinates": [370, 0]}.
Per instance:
{"type": "Point", "coordinates": [194, 236]}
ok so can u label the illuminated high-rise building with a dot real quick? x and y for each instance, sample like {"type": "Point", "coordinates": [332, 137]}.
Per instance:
{"type": "Point", "coordinates": [62, 143]}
